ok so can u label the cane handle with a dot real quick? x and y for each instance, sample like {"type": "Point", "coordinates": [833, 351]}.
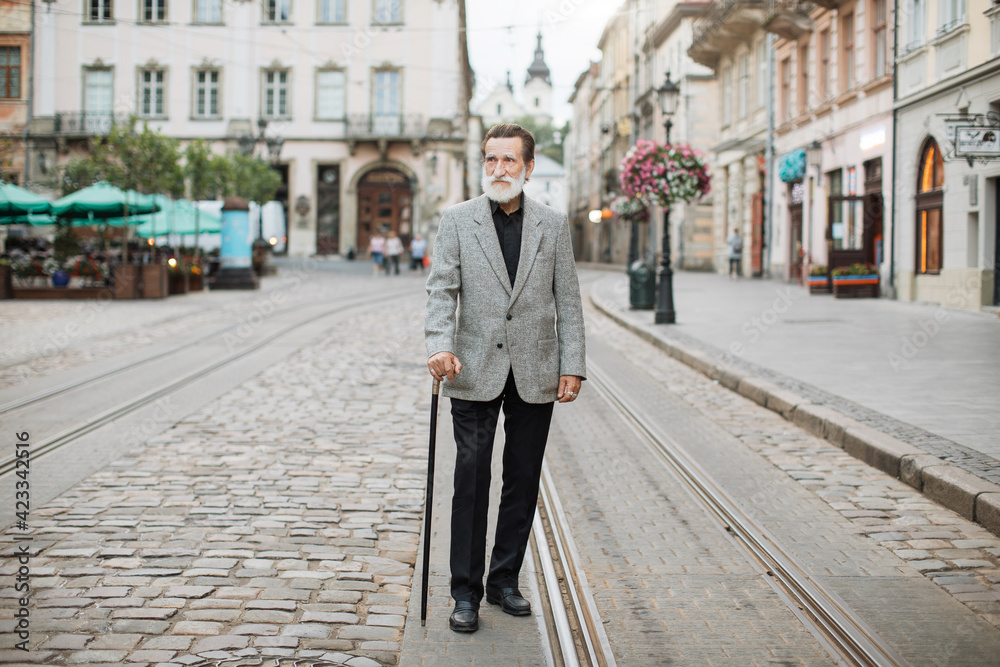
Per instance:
{"type": "Point", "coordinates": [436, 388]}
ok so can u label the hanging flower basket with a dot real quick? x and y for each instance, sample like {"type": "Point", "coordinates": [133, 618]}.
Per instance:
{"type": "Point", "coordinates": [664, 174]}
{"type": "Point", "coordinates": [630, 209]}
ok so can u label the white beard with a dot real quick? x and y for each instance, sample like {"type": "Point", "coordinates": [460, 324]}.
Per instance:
{"type": "Point", "coordinates": [504, 195]}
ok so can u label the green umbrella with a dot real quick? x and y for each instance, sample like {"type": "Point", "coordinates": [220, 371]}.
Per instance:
{"type": "Point", "coordinates": [16, 202]}
{"type": "Point", "coordinates": [178, 217]}
{"type": "Point", "coordinates": [103, 200]}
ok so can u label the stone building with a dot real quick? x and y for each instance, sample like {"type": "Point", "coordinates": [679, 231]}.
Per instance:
{"type": "Point", "coordinates": [362, 105]}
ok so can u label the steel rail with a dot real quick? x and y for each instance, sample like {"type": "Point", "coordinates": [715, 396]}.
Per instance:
{"type": "Point", "coordinates": [596, 645]}
{"type": "Point", "coordinates": [9, 464]}
{"type": "Point", "coordinates": [69, 386]}
{"type": "Point", "coordinates": [852, 638]}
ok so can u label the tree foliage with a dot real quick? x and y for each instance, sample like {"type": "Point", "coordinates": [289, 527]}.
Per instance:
{"type": "Point", "coordinates": [150, 162]}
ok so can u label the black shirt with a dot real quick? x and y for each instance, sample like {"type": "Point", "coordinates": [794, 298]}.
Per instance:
{"type": "Point", "coordinates": [509, 234]}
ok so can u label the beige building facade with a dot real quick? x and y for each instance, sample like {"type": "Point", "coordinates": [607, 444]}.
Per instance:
{"type": "Point", "coordinates": [368, 97]}
{"type": "Point", "coordinates": [947, 220]}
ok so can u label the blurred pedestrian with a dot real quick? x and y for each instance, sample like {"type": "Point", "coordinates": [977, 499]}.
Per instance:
{"type": "Point", "coordinates": [376, 248]}
{"type": "Point", "coordinates": [735, 242]}
{"type": "Point", "coordinates": [418, 250]}
{"type": "Point", "coordinates": [504, 326]}
{"type": "Point", "coordinates": [393, 249]}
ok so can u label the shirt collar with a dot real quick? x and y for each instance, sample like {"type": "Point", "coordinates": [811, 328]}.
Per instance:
{"type": "Point", "coordinates": [495, 205]}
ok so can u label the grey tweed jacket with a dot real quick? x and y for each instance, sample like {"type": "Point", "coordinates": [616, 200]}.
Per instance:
{"type": "Point", "coordinates": [534, 327]}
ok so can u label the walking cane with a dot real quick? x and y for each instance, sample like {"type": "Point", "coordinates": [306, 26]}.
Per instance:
{"type": "Point", "coordinates": [429, 502]}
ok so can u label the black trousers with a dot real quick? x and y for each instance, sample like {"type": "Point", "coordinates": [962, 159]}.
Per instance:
{"type": "Point", "coordinates": [526, 429]}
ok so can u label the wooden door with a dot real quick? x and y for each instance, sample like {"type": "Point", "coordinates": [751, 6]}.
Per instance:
{"type": "Point", "coordinates": [757, 234]}
{"type": "Point", "coordinates": [795, 243]}
{"type": "Point", "coordinates": [385, 203]}
{"type": "Point", "coordinates": [328, 209]}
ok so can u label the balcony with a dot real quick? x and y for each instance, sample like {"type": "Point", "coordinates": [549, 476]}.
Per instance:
{"type": "Point", "coordinates": [88, 123]}
{"type": "Point", "coordinates": [385, 129]}
{"type": "Point", "coordinates": [723, 27]}
{"type": "Point", "coordinates": [788, 19]}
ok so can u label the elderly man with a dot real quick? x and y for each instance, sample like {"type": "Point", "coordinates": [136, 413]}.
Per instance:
{"type": "Point", "coordinates": [504, 327]}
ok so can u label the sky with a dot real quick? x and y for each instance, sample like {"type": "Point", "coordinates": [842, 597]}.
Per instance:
{"type": "Point", "coordinates": [502, 36]}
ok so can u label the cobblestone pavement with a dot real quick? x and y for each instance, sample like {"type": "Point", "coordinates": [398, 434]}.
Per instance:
{"type": "Point", "coordinates": [613, 291]}
{"type": "Point", "coordinates": [282, 519]}
{"type": "Point", "coordinates": [960, 556]}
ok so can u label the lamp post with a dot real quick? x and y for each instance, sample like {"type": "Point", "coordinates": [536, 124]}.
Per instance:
{"type": "Point", "coordinates": [248, 145]}
{"type": "Point", "coordinates": [814, 156]}
{"type": "Point", "coordinates": [668, 94]}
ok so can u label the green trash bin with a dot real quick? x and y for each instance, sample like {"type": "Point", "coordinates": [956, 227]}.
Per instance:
{"type": "Point", "coordinates": [641, 285]}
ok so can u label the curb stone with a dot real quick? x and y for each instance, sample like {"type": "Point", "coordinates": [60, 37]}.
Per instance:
{"type": "Point", "coordinates": [967, 494]}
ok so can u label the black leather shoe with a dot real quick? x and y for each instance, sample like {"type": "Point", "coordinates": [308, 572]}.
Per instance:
{"type": "Point", "coordinates": [465, 618]}
{"type": "Point", "coordinates": [509, 599]}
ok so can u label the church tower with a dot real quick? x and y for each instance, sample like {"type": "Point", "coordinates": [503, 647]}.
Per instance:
{"type": "Point", "coordinates": [538, 87]}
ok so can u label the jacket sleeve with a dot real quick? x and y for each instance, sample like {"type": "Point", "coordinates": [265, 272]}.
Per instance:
{"type": "Point", "coordinates": [443, 287]}
{"type": "Point", "coordinates": [570, 328]}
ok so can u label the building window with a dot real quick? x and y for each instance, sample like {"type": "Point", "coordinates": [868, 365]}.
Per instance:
{"type": "Point", "coordinates": [152, 93]}
{"type": "Point", "coordinates": [100, 11]}
{"type": "Point", "coordinates": [278, 11]}
{"type": "Point", "coordinates": [803, 78]}
{"type": "Point", "coordinates": [880, 37]}
{"type": "Point", "coordinates": [499, 109]}
{"type": "Point", "coordinates": [97, 91]}
{"type": "Point", "coordinates": [824, 65]}
{"type": "Point", "coordinates": [930, 209]}
{"type": "Point", "coordinates": [744, 90]}
{"type": "Point", "coordinates": [10, 72]}
{"type": "Point", "coordinates": [331, 11]}
{"type": "Point", "coordinates": [915, 24]}
{"type": "Point", "coordinates": [727, 95]}
{"type": "Point", "coordinates": [208, 11]}
{"type": "Point", "coordinates": [951, 14]}
{"type": "Point", "coordinates": [847, 51]}
{"type": "Point", "coordinates": [386, 106]}
{"type": "Point", "coordinates": [206, 93]}
{"type": "Point", "coordinates": [388, 12]}
{"type": "Point", "coordinates": [154, 11]}
{"type": "Point", "coordinates": [275, 102]}
{"type": "Point", "coordinates": [330, 103]}
{"type": "Point", "coordinates": [786, 89]}
{"type": "Point", "coordinates": [762, 78]}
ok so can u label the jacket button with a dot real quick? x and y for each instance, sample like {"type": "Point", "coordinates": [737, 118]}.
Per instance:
{"type": "Point", "coordinates": [499, 346]}
{"type": "Point", "coordinates": [509, 317]}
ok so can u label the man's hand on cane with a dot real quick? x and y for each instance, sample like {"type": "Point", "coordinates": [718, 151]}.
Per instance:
{"type": "Point", "coordinates": [569, 388]}
{"type": "Point", "coordinates": [444, 365]}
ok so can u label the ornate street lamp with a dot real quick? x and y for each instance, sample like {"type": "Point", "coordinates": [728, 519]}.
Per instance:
{"type": "Point", "coordinates": [668, 94]}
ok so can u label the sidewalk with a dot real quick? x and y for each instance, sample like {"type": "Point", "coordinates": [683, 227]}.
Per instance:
{"type": "Point", "coordinates": [901, 385]}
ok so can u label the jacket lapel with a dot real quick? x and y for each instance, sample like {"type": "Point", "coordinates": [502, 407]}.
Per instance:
{"type": "Point", "coordinates": [531, 237]}
{"type": "Point", "coordinates": [486, 233]}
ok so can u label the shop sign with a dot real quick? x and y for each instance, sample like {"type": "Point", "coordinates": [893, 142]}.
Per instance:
{"type": "Point", "coordinates": [977, 142]}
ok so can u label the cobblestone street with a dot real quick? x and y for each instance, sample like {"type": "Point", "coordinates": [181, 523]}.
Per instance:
{"type": "Point", "coordinates": [282, 518]}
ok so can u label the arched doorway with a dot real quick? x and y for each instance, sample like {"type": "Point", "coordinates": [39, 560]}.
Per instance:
{"type": "Point", "coordinates": [385, 202]}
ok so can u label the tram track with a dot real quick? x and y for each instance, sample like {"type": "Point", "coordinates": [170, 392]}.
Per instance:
{"type": "Point", "coordinates": [846, 636]}
{"type": "Point", "coordinates": [75, 384]}
{"type": "Point", "coordinates": [130, 406]}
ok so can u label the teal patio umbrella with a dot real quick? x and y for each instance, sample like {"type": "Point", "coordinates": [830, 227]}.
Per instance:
{"type": "Point", "coordinates": [104, 202]}
{"type": "Point", "coordinates": [16, 202]}
{"type": "Point", "coordinates": [178, 217]}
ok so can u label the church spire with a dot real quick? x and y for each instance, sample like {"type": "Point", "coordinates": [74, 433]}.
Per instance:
{"type": "Point", "coordinates": [538, 69]}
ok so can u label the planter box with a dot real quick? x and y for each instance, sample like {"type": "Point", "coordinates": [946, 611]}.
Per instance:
{"type": "Point", "coordinates": [155, 284]}
{"type": "Point", "coordinates": [6, 283]}
{"type": "Point", "coordinates": [820, 285]}
{"type": "Point", "coordinates": [126, 281]}
{"type": "Point", "coordinates": [855, 287]}
{"type": "Point", "coordinates": [195, 283]}
{"type": "Point", "coordinates": [60, 293]}
{"type": "Point", "coordinates": [178, 283]}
